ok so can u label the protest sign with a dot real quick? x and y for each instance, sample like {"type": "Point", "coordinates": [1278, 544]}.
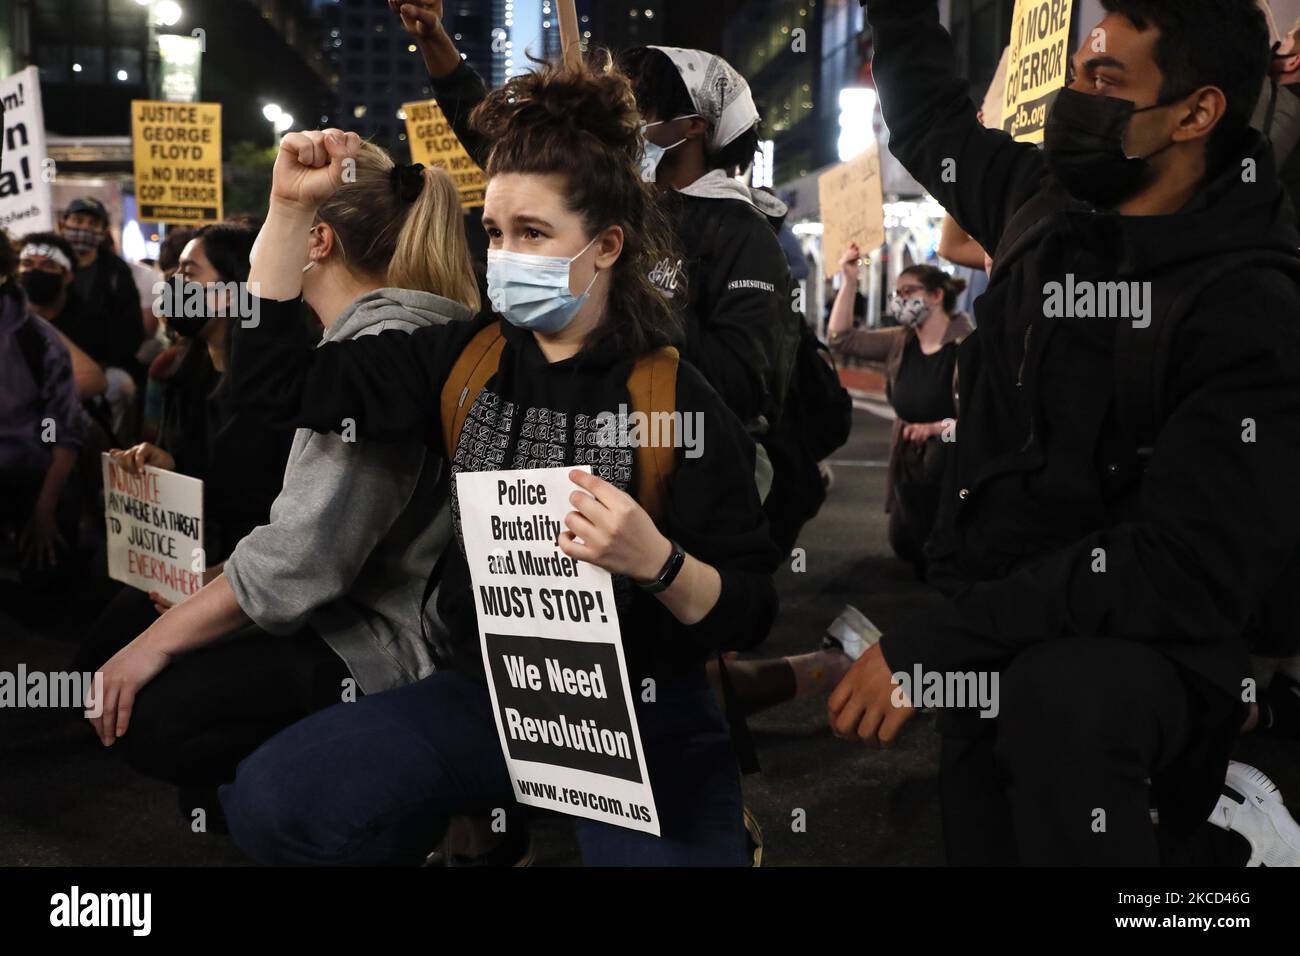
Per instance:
{"type": "Point", "coordinates": [991, 110]}
{"type": "Point", "coordinates": [25, 170]}
{"type": "Point", "coordinates": [1040, 53]}
{"type": "Point", "coordinates": [177, 149]}
{"type": "Point", "coordinates": [155, 530]}
{"type": "Point", "coordinates": [434, 143]}
{"type": "Point", "coordinates": [852, 207]}
{"type": "Point", "coordinates": [553, 652]}
{"type": "Point", "coordinates": [569, 41]}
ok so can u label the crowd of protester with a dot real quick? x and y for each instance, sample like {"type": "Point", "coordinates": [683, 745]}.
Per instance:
{"type": "Point", "coordinates": [1117, 556]}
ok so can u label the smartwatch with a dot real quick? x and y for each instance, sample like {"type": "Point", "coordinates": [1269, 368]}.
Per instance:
{"type": "Point", "coordinates": [668, 573]}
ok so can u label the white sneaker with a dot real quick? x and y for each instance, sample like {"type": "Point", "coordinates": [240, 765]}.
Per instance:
{"type": "Point", "coordinates": [851, 632]}
{"type": "Point", "coordinates": [1252, 806]}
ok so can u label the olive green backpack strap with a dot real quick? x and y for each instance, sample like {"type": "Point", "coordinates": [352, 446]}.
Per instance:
{"type": "Point", "coordinates": [476, 364]}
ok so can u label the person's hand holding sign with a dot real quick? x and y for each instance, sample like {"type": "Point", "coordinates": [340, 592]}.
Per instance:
{"type": "Point", "coordinates": [612, 531]}
{"type": "Point", "coordinates": [135, 458]}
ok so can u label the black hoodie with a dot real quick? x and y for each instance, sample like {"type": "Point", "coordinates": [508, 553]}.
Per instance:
{"type": "Point", "coordinates": [1044, 490]}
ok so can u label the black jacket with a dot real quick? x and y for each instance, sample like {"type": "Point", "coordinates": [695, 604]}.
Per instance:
{"type": "Point", "coordinates": [1043, 481]}
{"type": "Point", "coordinates": [534, 414]}
{"type": "Point", "coordinates": [109, 326]}
{"type": "Point", "coordinates": [239, 457]}
{"type": "Point", "coordinates": [741, 327]}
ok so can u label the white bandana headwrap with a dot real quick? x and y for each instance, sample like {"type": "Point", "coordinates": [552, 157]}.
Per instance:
{"type": "Point", "coordinates": [34, 249]}
{"type": "Point", "coordinates": [719, 93]}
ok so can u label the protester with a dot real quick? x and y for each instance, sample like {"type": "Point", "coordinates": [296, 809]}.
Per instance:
{"type": "Point", "coordinates": [240, 458]}
{"type": "Point", "coordinates": [41, 422]}
{"type": "Point", "coordinates": [563, 181]}
{"type": "Point", "coordinates": [330, 588]}
{"type": "Point", "coordinates": [107, 323]}
{"type": "Point", "coordinates": [165, 364]}
{"type": "Point", "coordinates": [1103, 555]}
{"type": "Point", "coordinates": [919, 358]}
{"type": "Point", "coordinates": [731, 283]}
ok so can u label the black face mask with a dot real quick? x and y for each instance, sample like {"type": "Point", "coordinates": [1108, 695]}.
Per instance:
{"type": "Point", "coordinates": [187, 326]}
{"type": "Point", "coordinates": [1083, 143]}
{"type": "Point", "coordinates": [42, 288]}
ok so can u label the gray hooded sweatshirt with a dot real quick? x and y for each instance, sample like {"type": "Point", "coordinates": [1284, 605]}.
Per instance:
{"type": "Point", "coordinates": [356, 528]}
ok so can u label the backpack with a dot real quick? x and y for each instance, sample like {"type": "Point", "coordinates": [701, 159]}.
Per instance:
{"type": "Point", "coordinates": [819, 406]}
{"type": "Point", "coordinates": [651, 386]}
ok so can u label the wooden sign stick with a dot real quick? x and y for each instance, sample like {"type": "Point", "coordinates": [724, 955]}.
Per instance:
{"type": "Point", "coordinates": [569, 37]}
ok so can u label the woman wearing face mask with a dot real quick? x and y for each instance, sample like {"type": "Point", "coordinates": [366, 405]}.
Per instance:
{"type": "Point", "coordinates": [919, 359]}
{"type": "Point", "coordinates": [327, 594]}
{"type": "Point", "coordinates": [573, 233]}
{"type": "Point", "coordinates": [731, 282]}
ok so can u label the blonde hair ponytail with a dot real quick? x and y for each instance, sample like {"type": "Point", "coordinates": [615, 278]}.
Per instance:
{"type": "Point", "coordinates": [432, 253]}
{"type": "Point", "coordinates": [418, 245]}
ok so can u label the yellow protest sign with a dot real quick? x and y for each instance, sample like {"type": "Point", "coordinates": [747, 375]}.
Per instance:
{"type": "Point", "coordinates": [1040, 52]}
{"type": "Point", "coordinates": [177, 150]}
{"type": "Point", "coordinates": [434, 143]}
{"type": "Point", "coordinates": [852, 207]}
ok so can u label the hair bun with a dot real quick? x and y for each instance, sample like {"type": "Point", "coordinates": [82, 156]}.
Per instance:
{"type": "Point", "coordinates": [575, 100]}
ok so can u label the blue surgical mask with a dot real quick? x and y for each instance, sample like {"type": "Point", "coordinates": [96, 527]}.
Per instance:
{"type": "Point", "coordinates": [652, 154]}
{"type": "Point", "coordinates": [532, 292]}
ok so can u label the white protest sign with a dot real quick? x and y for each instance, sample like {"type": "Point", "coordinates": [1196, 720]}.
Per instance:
{"type": "Point", "coordinates": [155, 530]}
{"type": "Point", "coordinates": [25, 201]}
{"type": "Point", "coordinates": [553, 652]}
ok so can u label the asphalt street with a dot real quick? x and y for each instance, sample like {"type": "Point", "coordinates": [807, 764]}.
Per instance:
{"type": "Point", "coordinates": [65, 800]}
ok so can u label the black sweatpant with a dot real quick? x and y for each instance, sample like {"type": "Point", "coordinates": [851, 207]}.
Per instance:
{"type": "Point", "coordinates": [209, 709]}
{"type": "Point", "coordinates": [1060, 776]}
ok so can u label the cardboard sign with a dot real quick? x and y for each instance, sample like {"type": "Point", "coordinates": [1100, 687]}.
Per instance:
{"type": "Point", "coordinates": [177, 149]}
{"type": "Point", "coordinates": [552, 652]}
{"type": "Point", "coordinates": [25, 171]}
{"type": "Point", "coordinates": [992, 107]}
{"type": "Point", "coordinates": [569, 40]}
{"type": "Point", "coordinates": [1040, 53]}
{"type": "Point", "coordinates": [852, 207]}
{"type": "Point", "coordinates": [155, 530]}
{"type": "Point", "coordinates": [434, 143]}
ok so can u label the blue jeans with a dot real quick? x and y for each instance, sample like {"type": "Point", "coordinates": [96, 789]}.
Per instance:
{"type": "Point", "coordinates": [375, 782]}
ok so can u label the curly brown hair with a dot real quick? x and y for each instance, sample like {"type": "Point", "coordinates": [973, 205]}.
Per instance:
{"type": "Point", "coordinates": [581, 123]}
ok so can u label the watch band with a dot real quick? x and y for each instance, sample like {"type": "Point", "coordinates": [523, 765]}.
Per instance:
{"type": "Point", "coordinates": [668, 573]}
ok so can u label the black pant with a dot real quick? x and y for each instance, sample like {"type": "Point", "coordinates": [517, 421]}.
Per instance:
{"type": "Point", "coordinates": [211, 708]}
{"type": "Point", "coordinates": [1059, 777]}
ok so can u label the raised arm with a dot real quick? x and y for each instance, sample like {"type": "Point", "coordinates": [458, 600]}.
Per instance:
{"type": "Point", "coordinates": [382, 387]}
{"type": "Point", "coordinates": [456, 87]}
{"type": "Point", "coordinates": [979, 175]}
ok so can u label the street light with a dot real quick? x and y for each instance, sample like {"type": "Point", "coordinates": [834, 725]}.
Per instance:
{"type": "Point", "coordinates": [272, 112]}
{"type": "Point", "coordinates": [167, 13]}
{"type": "Point", "coordinates": [283, 123]}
